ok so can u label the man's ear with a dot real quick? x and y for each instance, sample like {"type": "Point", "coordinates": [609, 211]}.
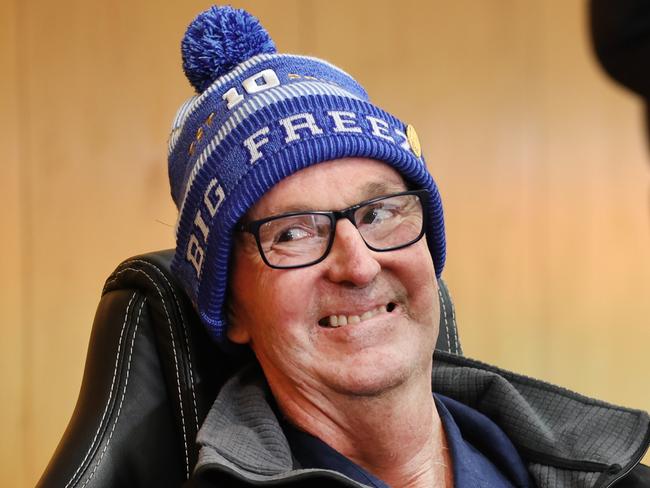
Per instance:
{"type": "Point", "coordinates": [236, 332]}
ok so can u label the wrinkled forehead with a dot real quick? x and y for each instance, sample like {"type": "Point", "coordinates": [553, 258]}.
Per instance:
{"type": "Point", "coordinates": [330, 185]}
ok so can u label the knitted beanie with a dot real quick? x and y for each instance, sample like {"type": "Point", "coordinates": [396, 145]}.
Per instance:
{"type": "Point", "coordinates": [258, 117]}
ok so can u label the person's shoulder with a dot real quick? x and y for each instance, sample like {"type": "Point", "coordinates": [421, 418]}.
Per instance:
{"type": "Point", "coordinates": [639, 477]}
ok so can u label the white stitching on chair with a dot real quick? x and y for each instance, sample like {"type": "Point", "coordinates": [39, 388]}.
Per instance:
{"type": "Point", "coordinates": [187, 342]}
{"type": "Point", "coordinates": [187, 347]}
{"type": "Point", "coordinates": [119, 409]}
{"type": "Point", "coordinates": [444, 314]}
{"type": "Point", "coordinates": [178, 381]}
{"type": "Point", "coordinates": [453, 321]}
{"type": "Point", "coordinates": [110, 394]}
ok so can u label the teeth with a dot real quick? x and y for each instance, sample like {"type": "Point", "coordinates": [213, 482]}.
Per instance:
{"type": "Point", "coordinates": [339, 320]}
{"type": "Point", "coordinates": [369, 314]}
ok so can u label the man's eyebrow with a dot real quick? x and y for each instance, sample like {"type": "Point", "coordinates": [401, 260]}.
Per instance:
{"type": "Point", "coordinates": [368, 191]}
{"type": "Point", "coordinates": [376, 189]}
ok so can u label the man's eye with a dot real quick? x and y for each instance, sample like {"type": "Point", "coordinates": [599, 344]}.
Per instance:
{"type": "Point", "coordinates": [292, 234]}
{"type": "Point", "coordinates": [376, 215]}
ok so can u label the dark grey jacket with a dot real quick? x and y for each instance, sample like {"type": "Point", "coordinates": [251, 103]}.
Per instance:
{"type": "Point", "coordinates": [566, 440]}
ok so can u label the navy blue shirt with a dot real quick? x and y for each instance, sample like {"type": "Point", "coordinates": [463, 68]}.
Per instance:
{"type": "Point", "coordinates": [482, 454]}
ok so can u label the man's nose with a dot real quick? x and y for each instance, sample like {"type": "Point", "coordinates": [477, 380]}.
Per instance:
{"type": "Point", "coordinates": [350, 260]}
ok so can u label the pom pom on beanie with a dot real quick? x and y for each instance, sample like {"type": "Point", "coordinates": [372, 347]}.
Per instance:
{"type": "Point", "coordinates": [218, 40]}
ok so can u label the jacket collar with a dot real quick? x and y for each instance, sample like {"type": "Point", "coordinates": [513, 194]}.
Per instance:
{"type": "Point", "coordinates": [566, 439]}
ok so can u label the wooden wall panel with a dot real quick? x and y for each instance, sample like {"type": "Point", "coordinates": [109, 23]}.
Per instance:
{"type": "Point", "coordinates": [541, 163]}
{"type": "Point", "coordinates": [13, 371]}
{"type": "Point", "coordinates": [598, 271]}
{"type": "Point", "coordinates": [98, 179]}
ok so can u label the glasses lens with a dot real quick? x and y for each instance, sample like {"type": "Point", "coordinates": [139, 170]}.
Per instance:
{"type": "Point", "coordinates": [295, 240]}
{"type": "Point", "coordinates": [391, 222]}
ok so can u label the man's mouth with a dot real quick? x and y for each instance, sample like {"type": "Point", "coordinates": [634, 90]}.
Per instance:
{"type": "Point", "coordinates": [335, 321]}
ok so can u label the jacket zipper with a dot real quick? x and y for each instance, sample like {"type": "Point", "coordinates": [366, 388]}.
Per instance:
{"type": "Point", "coordinates": [627, 471]}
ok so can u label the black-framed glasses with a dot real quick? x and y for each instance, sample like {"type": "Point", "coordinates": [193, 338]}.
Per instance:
{"type": "Point", "coordinates": [298, 239]}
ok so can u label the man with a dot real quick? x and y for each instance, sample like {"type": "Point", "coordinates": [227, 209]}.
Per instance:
{"type": "Point", "coordinates": [302, 209]}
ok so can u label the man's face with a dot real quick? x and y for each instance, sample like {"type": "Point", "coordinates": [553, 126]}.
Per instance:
{"type": "Point", "coordinates": [277, 311]}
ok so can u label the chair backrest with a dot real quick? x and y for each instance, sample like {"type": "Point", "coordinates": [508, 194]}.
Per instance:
{"type": "Point", "coordinates": [150, 378]}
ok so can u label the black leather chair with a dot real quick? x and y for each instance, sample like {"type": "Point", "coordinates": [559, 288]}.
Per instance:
{"type": "Point", "coordinates": [151, 376]}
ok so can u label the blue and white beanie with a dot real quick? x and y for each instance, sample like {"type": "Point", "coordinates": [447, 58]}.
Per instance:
{"type": "Point", "coordinates": [258, 117]}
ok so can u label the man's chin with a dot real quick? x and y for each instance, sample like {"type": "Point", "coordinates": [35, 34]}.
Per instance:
{"type": "Point", "coordinates": [374, 380]}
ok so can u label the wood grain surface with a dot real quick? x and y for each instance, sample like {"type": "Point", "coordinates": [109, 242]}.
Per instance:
{"type": "Point", "coordinates": [541, 161]}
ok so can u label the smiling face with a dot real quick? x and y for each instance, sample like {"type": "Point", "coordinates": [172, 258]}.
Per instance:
{"type": "Point", "coordinates": [384, 304]}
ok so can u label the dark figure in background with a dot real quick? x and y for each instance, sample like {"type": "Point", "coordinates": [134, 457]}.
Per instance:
{"type": "Point", "coordinates": [620, 32]}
